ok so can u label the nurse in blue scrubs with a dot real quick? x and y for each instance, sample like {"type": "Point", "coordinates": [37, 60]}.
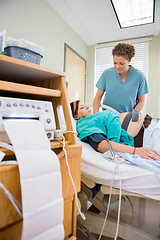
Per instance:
{"type": "Point", "coordinates": [124, 86]}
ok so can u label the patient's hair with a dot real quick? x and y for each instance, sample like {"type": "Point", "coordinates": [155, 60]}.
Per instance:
{"type": "Point", "coordinates": [74, 107]}
{"type": "Point", "coordinates": [125, 50]}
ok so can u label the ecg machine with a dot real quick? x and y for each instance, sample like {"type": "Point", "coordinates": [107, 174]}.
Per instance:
{"type": "Point", "coordinates": [17, 108]}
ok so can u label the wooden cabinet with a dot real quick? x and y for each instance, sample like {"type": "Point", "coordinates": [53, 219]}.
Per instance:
{"type": "Point", "coordinates": [20, 79]}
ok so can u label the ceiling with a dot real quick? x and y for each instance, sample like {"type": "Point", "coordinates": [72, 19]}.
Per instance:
{"type": "Point", "coordinates": [95, 22]}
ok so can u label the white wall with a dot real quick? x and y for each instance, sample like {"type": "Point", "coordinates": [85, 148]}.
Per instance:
{"type": "Point", "coordinates": [154, 76]}
{"type": "Point", "coordinates": [90, 75]}
{"type": "Point", "coordinates": [36, 21]}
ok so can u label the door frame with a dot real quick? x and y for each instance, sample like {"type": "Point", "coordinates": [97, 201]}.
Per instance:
{"type": "Point", "coordinates": [64, 68]}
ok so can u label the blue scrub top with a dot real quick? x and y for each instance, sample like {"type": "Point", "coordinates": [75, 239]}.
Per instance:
{"type": "Point", "coordinates": [122, 96]}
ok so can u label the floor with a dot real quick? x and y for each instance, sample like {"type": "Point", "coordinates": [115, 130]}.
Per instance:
{"type": "Point", "coordinates": [82, 236]}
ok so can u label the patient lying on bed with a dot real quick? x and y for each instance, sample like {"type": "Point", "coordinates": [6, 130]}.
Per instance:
{"type": "Point", "coordinates": [98, 128]}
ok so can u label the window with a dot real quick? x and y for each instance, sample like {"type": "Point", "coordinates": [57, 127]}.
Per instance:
{"type": "Point", "coordinates": [104, 60]}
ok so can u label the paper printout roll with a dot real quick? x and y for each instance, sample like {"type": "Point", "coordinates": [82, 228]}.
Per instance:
{"type": "Point", "coordinates": [40, 178]}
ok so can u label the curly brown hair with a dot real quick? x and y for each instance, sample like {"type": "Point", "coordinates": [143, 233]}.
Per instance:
{"type": "Point", "coordinates": [125, 50]}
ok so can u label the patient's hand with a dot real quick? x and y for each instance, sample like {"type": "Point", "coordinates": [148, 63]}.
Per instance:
{"type": "Point", "coordinates": [148, 153]}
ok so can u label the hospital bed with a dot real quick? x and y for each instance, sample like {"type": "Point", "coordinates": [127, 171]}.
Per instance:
{"type": "Point", "coordinates": [140, 200]}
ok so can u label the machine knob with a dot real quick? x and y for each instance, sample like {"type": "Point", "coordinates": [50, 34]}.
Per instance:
{"type": "Point", "coordinates": [48, 120]}
{"type": "Point", "coordinates": [49, 135]}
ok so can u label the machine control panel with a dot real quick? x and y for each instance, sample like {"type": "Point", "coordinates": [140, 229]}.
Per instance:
{"type": "Point", "coordinates": [18, 108]}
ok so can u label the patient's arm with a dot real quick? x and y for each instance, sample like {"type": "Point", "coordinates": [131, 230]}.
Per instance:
{"type": "Point", "coordinates": [147, 153]}
{"type": "Point", "coordinates": [133, 127]}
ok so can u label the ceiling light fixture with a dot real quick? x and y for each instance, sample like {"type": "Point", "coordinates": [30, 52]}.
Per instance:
{"type": "Point", "coordinates": [131, 13]}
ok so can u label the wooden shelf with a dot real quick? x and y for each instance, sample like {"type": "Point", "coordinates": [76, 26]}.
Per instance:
{"type": "Point", "coordinates": [54, 145]}
{"type": "Point", "coordinates": [22, 71]}
{"type": "Point", "coordinates": [21, 88]}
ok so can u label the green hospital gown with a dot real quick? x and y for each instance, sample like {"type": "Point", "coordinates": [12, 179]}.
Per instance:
{"type": "Point", "coordinates": [106, 123]}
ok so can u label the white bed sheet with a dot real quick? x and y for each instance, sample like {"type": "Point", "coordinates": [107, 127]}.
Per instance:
{"type": "Point", "coordinates": [134, 179]}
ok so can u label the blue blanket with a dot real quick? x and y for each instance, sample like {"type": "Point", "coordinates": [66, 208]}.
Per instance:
{"type": "Point", "coordinates": [150, 165]}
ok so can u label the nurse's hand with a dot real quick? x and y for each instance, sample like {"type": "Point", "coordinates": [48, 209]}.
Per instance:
{"type": "Point", "coordinates": [148, 153]}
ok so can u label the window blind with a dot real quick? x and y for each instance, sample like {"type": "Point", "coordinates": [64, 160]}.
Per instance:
{"type": "Point", "coordinates": [104, 60]}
